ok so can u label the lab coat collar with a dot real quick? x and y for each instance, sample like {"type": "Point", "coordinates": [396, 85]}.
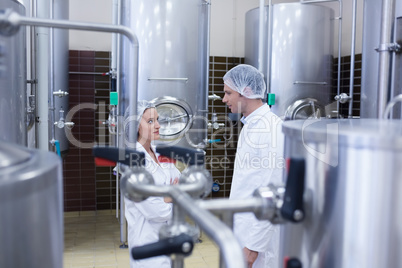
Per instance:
{"type": "Point", "coordinates": [258, 112]}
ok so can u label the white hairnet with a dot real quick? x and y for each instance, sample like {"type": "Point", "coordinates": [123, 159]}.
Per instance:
{"type": "Point", "coordinates": [134, 120]}
{"type": "Point", "coordinates": [246, 80]}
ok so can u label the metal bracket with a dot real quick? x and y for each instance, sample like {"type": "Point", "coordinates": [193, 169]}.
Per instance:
{"type": "Point", "coordinates": [391, 47]}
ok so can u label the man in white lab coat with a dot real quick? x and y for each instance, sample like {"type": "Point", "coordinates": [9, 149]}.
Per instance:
{"type": "Point", "coordinates": [259, 161]}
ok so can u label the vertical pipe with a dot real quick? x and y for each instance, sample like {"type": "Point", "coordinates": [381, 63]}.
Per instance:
{"type": "Point", "coordinates": [51, 75]}
{"type": "Point", "coordinates": [261, 37]}
{"type": "Point", "coordinates": [113, 67]}
{"type": "Point", "coordinates": [338, 86]}
{"type": "Point", "coordinates": [42, 68]}
{"type": "Point", "coordinates": [119, 141]}
{"type": "Point", "coordinates": [387, 18]}
{"type": "Point", "coordinates": [269, 46]}
{"type": "Point", "coordinates": [352, 60]}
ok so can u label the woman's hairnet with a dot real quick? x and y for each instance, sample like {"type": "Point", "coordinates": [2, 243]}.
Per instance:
{"type": "Point", "coordinates": [246, 80]}
{"type": "Point", "coordinates": [134, 120]}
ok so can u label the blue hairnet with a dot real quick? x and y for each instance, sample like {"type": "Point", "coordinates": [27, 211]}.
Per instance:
{"type": "Point", "coordinates": [246, 80]}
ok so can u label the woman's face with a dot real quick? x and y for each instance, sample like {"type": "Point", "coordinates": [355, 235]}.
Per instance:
{"type": "Point", "coordinates": [149, 126]}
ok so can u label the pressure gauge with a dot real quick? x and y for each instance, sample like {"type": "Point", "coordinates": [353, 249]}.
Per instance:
{"type": "Point", "coordinates": [174, 117]}
{"type": "Point", "coordinates": [303, 109]}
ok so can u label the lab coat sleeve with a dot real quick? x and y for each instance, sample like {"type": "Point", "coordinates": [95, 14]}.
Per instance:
{"type": "Point", "coordinates": [155, 209]}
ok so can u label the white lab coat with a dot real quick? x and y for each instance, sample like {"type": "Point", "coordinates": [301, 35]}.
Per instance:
{"type": "Point", "coordinates": [259, 161]}
{"type": "Point", "coordinates": [144, 219]}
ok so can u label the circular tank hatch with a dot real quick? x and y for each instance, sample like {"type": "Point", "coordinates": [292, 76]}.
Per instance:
{"type": "Point", "coordinates": [174, 117]}
{"type": "Point", "coordinates": [303, 109]}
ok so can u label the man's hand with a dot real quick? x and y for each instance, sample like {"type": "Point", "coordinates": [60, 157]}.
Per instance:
{"type": "Point", "coordinates": [250, 256]}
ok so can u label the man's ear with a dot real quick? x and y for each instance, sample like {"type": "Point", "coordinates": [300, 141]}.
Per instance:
{"type": "Point", "coordinates": [247, 91]}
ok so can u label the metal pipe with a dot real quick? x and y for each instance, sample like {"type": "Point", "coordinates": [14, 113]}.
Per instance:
{"type": "Point", "coordinates": [42, 73]}
{"type": "Point", "coordinates": [164, 190]}
{"type": "Point", "coordinates": [338, 83]}
{"type": "Point", "coordinates": [32, 71]}
{"type": "Point", "coordinates": [269, 45]}
{"type": "Point", "coordinates": [52, 107]}
{"type": "Point", "coordinates": [261, 36]}
{"type": "Point", "coordinates": [352, 60]}
{"type": "Point", "coordinates": [387, 19]}
{"type": "Point", "coordinates": [222, 206]}
{"type": "Point", "coordinates": [90, 73]}
{"type": "Point", "coordinates": [309, 83]}
{"type": "Point", "coordinates": [232, 253]}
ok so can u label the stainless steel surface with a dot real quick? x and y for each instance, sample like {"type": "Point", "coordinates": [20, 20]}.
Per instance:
{"type": "Point", "coordinates": [173, 62]}
{"type": "Point", "coordinates": [31, 209]}
{"type": "Point", "coordinates": [12, 19]}
{"type": "Point", "coordinates": [60, 67]}
{"type": "Point", "coordinates": [232, 253]}
{"type": "Point", "coordinates": [303, 109]}
{"type": "Point", "coordinates": [370, 62]}
{"type": "Point", "coordinates": [384, 82]}
{"type": "Point", "coordinates": [60, 57]}
{"type": "Point", "coordinates": [352, 59]}
{"type": "Point", "coordinates": [396, 88]}
{"type": "Point", "coordinates": [301, 51]}
{"type": "Point", "coordinates": [391, 105]}
{"type": "Point", "coordinates": [221, 234]}
{"type": "Point", "coordinates": [13, 87]}
{"type": "Point", "coordinates": [352, 205]}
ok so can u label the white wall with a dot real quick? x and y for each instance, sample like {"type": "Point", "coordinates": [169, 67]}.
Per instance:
{"type": "Point", "coordinates": [227, 25]}
{"type": "Point", "coordinates": [99, 11]}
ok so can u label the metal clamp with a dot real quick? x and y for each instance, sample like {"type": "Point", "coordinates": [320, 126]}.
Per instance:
{"type": "Point", "coordinates": [60, 93]}
{"type": "Point", "coordinates": [390, 47]}
{"type": "Point", "coordinates": [342, 98]}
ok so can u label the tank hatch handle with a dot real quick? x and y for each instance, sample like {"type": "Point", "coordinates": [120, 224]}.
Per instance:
{"type": "Point", "coordinates": [181, 244]}
{"type": "Point", "coordinates": [292, 208]}
{"type": "Point", "coordinates": [108, 156]}
{"type": "Point", "coordinates": [187, 156]}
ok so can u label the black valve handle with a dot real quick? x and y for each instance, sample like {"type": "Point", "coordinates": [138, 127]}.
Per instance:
{"type": "Point", "coordinates": [186, 155]}
{"type": "Point", "coordinates": [126, 156]}
{"type": "Point", "coordinates": [181, 244]}
{"type": "Point", "coordinates": [293, 208]}
{"type": "Point", "coordinates": [293, 263]}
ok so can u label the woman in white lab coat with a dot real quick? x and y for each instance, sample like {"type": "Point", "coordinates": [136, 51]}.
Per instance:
{"type": "Point", "coordinates": [145, 218]}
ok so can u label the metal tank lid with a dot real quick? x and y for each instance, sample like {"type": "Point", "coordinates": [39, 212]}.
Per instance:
{"type": "Point", "coordinates": [11, 154]}
{"type": "Point", "coordinates": [367, 133]}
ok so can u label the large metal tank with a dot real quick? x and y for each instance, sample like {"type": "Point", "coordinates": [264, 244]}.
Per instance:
{"type": "Point", "coordinates": [31, 208]}
{"type": "Point", "coordinates": [370, 59]}
{"type": "Point", "coordinates": [352, 194]}
{"type": "Point", "coordinates": [13, 82]}
{"type": "Point", "coordinates": [301, 56]}
{"type": "Point", "coordinates": [173, 38]}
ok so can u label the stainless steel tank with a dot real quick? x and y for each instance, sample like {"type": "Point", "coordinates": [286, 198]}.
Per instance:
{"type": "Point", "coordinates": [173, 38]}
{"type": "Point", "coordinates": [301, 56]}
{"type": "Point", "coordinates": [31, 208]}
{"type": "Point", "coordinates": [13, 118]}
{"type": "Point", "coordinates": [352, 194]}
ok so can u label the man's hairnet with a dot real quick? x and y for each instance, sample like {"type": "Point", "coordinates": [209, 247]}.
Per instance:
{"type": "Point", "coordinates": [246, 80]}
{"type": "Point", "coordinates": [134, 120]}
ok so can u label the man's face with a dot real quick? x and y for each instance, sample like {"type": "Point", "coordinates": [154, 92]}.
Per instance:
{"type": "Point", "coordinates": [233, 99]}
